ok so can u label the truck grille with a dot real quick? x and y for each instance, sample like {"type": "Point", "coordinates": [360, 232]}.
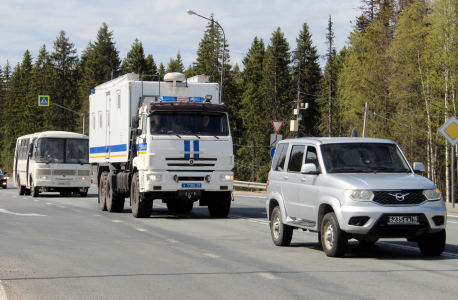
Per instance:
{"type": "Point", "coordinates": [190, 162]}
{"type": "Point", "coordinates": [411, 197]}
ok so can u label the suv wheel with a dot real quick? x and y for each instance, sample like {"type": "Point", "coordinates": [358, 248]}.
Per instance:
{"type": "Point", "coordinates": [333, 239]}
{"type": "Point", "coordinates": [432, 244]}
{"type": "Point", "coordinates": [282, 234]}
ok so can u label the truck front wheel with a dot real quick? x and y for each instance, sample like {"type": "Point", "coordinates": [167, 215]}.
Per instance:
{"type": "Point", "coordinates": [102, 198]}
{"type": "Point", "coordinates": [220, 205]}
{"type": "Point", "coordinates": [142, 205]}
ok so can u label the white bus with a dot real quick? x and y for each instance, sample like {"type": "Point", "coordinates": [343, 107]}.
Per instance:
{"type": "Point", "coordinates": [52, 161]}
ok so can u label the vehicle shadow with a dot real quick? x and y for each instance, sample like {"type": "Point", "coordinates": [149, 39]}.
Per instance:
{"type": "Point", "coordinates": [386, 249]}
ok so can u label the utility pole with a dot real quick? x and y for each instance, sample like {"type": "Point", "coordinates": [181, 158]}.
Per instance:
{"type": "Point", "coordinates": [366, 115]}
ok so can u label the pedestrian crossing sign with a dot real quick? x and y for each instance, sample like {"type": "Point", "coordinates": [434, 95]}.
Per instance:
{"type": "Point", "coordinates": [43, 100]}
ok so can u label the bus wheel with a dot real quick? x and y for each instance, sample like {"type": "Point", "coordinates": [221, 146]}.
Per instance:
{"type": "Point", "coordinates": [20, 188]}
{"type": "Point", "coordinates": [34, 190]}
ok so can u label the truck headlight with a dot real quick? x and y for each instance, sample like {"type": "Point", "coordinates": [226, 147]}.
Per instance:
{"type": "Point", "coordinates": [359, 195]}
{"type": "Point", "coordinates": [432, 195]}
{"type": "Point", "coordinates": [226, 177]}
{"type": "Point", "coordinates": [154, 177]}
{"type": "Point", "coordinates": [43, 177]}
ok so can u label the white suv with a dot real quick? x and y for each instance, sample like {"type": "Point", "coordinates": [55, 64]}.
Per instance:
{"type": "Point", "coordinates": [344, 188]}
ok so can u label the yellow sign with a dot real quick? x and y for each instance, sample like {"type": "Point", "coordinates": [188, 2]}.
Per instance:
{"type": "Point", "coordinates": [450, 130]}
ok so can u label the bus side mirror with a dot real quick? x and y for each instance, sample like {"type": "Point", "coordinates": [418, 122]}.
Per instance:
{"type": "Point", "coordinates": [30, 150]}
{"type": "Point", "coordinates": [135, 121]}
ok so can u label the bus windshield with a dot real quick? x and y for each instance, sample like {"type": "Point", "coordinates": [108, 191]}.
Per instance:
{"type": "Point", "coordinates": [58, 150]}
{"type": "Point", "coordinates": [189, 124]}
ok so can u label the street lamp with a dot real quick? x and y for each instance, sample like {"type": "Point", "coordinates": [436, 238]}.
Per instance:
{"type": "Point", "coordinates": [190, 12]}
{"type": "Point", "coordinates": [89, 52]}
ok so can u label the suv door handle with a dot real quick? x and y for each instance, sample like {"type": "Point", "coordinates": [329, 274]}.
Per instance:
{"type": "Point", "coordinates": [286, 177]}
{"type": "Point", "coordinates": [303, 179]}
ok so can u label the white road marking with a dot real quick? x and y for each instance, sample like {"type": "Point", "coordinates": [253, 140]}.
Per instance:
{"type": "Point", "coordinates": [14, 196]}
{"type": "Point", "coordinates": [262, 221]}
{"type": "Point", "coordinates": [452, 216]}
{"type": "Point", "coordinates": [25, 198]}
{"type": "Point", "coordinates": [452, 222]}
{"type": "Point", "coordinates": [172, 241]}
{"type": "Point", "coordinates": [18, 214]}
{"type": "Point", "coordinates": [36, 200]}
{"type": "Point", "coordinates": [141, 229]}
{"type": "Point", "coordinates": [269, 276]}
{"type": "Point", "coordinates": [2, 292]}
{"type": "Point", "coordinates": [453, 255]}
{"type": "Point", "coordinates": [116, 221]}
{"type": "Point", "coordinates": [212, 255]}
{"type": "Point", "coordinates": [48, 203]}
{"type": "Point", "coordinates": [62, 206]}
{"type": "Point", "coordinates": [96, 215]}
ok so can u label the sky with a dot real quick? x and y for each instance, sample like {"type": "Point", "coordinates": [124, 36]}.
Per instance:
{"type": "Point", "coordinates": [164, 27]}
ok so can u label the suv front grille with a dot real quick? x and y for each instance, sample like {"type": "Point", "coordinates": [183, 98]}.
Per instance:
{"type": "Point", "coordinates": [411, 197]}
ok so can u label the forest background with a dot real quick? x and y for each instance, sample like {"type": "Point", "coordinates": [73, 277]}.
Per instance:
{"type": "Point", "coordinates": [401, 58]}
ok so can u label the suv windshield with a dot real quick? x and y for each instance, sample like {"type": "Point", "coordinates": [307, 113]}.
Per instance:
{"type": "Point", "coordinates": [363, 157]}
{"type": "Point", "coordinates": [71, 151]}
{"type": "Point", "coordinates": [189, 123]}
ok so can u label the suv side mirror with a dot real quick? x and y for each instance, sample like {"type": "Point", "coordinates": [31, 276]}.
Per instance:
{"type": "Point", "coordinates": [309, 169]}
{"type": "Point", "coordinates": [418, 168]}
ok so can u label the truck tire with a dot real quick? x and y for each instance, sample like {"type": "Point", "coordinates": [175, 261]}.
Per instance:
{"type": "Point", "coordinates": [142, 205]}
{"type": "Point", "coordinates": [333, 239]}
{"type": "Point", "coordinates": [83, 194]}
{"type": "Point", "coordinates": [282, 234]}
{"type": "Point", "coordinates": [20, 188]}
{"type": "Point", "coordinates": [433, 244]}
{"type": "Point", "coordinates": [115, 202]}
{"type": "Point", "coordinates": [220, 206]}
{"type": "Point", "coordinates": [179, 206]}
{"type": "Point", "coordinates": [102, 199]}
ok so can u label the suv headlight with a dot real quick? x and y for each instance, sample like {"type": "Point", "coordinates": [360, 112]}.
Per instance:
{"type": "Point", "coordinates": [154, 177]}
{"type": "Point", "coordinates": [226, 177]}
{"type": "Point", "coordinates": [432, 195]}
{"type": "Point", "coordinates": [359, 195]}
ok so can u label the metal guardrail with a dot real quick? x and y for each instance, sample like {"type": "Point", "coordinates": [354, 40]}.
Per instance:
{"type": "Point", "coordinates": [247, 184]}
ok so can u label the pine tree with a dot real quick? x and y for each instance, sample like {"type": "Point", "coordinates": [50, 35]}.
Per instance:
{"type": "Point", "coordinates": [151, 68]}
{"type": "Point", "coordinates": [306, 77]}
{"type": "Point", "coordinates": [175, 65]}
{"type": "Point", "coordinates": [65, 90]}
{"type": "Point", "coordinates": [251, 160]}
{"type": "Point", "coordinates": [161, 71]}
{"type": "Point", "coordinates": [190, 72]}
{"type": "Point", "coordinates": [135, 61]}
{"type": "Point", "coordinates": [276, 80]}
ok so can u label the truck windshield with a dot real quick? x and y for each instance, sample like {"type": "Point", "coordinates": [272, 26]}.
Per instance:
{"type": "Point", "coordinates": [189, 123]}
{"type": "Point", "coordinates": [363, 157]}
{"type": "Point", "coordinates": [57, 150]}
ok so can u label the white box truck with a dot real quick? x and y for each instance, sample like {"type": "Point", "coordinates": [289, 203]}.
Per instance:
{"type": "Point", "coordinates": [169, 141]}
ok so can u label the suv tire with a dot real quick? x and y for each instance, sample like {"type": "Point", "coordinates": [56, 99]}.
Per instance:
{"type": "Point", "coordinates": [433, 244]}
{"type": "Point", "coordinates": [282, 234]}
{"type": "Point", "coordinates": [333, 239]}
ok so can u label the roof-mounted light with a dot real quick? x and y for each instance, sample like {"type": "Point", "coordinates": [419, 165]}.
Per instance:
{"type": "Point", "coordinates": [167, 98]}
{"type": "Point", "coordinates": [197, 99]}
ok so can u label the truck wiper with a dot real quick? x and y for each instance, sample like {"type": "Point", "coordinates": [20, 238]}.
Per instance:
{"type": "Point", "coordinates": [208, 134]}
{"type": "Point", "coordinates": [187, 132]}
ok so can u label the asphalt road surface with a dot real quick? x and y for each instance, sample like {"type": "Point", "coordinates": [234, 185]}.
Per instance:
{"type": "Point", "coordinates": [54, 247]}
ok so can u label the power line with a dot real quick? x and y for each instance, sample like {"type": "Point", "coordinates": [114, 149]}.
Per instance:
{"type": "Point", "coordinates": [404, 124]}
{"type": "Point", "coordinates": [387, 112]}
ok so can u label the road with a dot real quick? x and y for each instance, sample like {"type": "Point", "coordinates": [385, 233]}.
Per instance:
{"type": "Point", "coordinates": [54, 247]}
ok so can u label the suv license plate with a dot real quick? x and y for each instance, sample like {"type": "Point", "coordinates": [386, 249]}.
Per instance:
{"type": "Point", "coordinates": [403, 220]}
{"type": "Point", "coordinates": [191, 185]}
{"type": "Point", "coordinates": [63, 183]}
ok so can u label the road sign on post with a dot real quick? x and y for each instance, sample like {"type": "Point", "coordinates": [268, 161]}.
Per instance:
{"type": "Point", "coordinates": [43, 100]}
{"type": "Point", "coordinates": [450, 132]}
{"type": "Point", "coordinates": [277, 125]}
